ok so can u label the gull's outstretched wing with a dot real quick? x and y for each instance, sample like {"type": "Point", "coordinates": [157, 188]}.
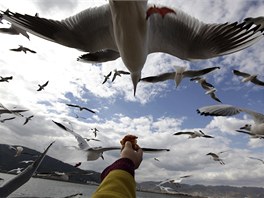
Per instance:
{"type": "Point", "coordinates": [257, 81]}
{"type": "Point", "coordinates": [186, 37]}
{"type": "Point", "coordinates": [82, 143]}
{"type": "Point", "coordinates": [229, 110]}
{"type": "Point", "coordinates": [239, 73]}
{"type": "Point", "coordinates": [153, 150]}
{"type": "Point", "coordinates": [89, 30]}
{"type": "Point", "coordinates": [194, 73]}
{"type": "Point", "coordinates": [159, 78]}
{"type": "Point", "coordinates": [183, 133]}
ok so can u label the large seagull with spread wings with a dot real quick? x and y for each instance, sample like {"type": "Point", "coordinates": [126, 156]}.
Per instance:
{"type": "Point", "coordinates": [130, 30]}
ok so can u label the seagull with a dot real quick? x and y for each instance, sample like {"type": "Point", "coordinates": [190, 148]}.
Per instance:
{"type": "Point", "coordinates": [81, 108]}
{"type": "Point", "coordinates": [27, 119]}
{"type": "Point", "coordinates": [107, 77]}
{"type": "Point", "coordinates": [174, 181]}
{"type": "Point", "coordinates": [95, 131]}
{"type": "Point", "coordinates": [5, 79]}
{"type": "Point", "coordinates": [93, 153]}
{"type": "Point", "coordinates": [27, 161]}
{"type": "Point", "coordinates": [18, 150]}
{"type": "Point", "coordinates": [209, 88]}
{"type": "Point", "coordinates": [216, 157]}
{"type": "Point", "coordinates": [229, 110]}
{"type": "Point", "coordinates": [122, 27]}
{"type": "Point", "coordinates": [89, 139]}
{"type": "Point", "coordinates": [254, 158]}
{"type": "Point", "coordinates": [194, 134]}
{"type": "Point", "coordinates": [14, 183]}
{"type": "Point", "coordinates": [156, 159]}
{"type": "Point", "coordinates": [3, 120]}
{"type": "Point", "coordinates": [166, 189]}
{"type": "Point", "coordinates": [248, 77]}
{"type": "Point", "coordinates": [178, 75]}
{"type": "Point", "coordinates": [41, 87]}
{"type": "Point", "coordinates": [23, 49]}
{"type": "Point", "coordinates": [77, 164]}
{"type": "Point", "coordinates": [16, 170]}
{"type": "Point", "coordinates": [118, 73]}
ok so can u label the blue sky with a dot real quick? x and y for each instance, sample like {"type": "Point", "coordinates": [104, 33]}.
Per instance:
{"type": "Point", "coordinates": [157, 111]}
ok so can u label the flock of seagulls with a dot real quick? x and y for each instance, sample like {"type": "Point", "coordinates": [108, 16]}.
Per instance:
{"type": "Point", "coordinates": [169, 31]}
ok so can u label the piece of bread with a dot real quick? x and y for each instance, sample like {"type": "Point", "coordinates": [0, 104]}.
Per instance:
{"type": "Point", "coordinates": [132, 139]}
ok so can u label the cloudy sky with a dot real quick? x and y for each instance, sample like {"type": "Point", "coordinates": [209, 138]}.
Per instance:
{"type": "Point", "coordinates": [157, 111]}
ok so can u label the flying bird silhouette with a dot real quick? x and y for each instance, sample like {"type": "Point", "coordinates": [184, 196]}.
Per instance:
{"type": "Point", "coordinates": [41, 87]}
{"type": "Point", "coordinates": [95, 131]}
{"type": "Point", "coordinates": [248, 77]}
{"type": "Point", "coordinates": [27, 119]}
{"type": "Point", "coordinates": [23, 49]}
{"type": "Point", "coordinates": [118, 73]}
{"type": "Point", "coordinates": [122, 27]}
{"type": "Point", "coordinates": [5, 79]}
{"type": "Point", "coordinates": [81, 108]}
{"type": "Point", "coordinates": [216, 157]}
{"type": "Point", "coordinates": [107, 77]}
{"type": "Point", "coordinates": [194, 134]}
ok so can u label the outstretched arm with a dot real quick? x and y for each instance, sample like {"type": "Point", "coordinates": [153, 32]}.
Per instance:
{"type": "Point", "coordinates": [118, 178]}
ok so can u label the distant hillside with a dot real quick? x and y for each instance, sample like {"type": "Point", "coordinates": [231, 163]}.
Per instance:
{"type": "Point", "coordinates": [209, 191]}
{"type": "Point", "coordinates": [49, 165]}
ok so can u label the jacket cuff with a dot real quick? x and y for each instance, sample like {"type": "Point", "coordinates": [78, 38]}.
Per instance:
{"type": "Point", "coordinates": [122, 164]}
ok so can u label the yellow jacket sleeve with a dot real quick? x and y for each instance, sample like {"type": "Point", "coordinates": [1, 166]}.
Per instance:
{"type": "Point", "coordinates": [117, 180]}
{"type": "Point", "coordinates": [117, 184]}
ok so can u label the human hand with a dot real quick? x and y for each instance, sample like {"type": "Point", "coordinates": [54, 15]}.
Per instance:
{"type": "Point", "coordinates": [130, 153]}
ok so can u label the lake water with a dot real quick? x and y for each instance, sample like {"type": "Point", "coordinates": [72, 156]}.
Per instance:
{"type": "Point", "coordinates": [36, 187]}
